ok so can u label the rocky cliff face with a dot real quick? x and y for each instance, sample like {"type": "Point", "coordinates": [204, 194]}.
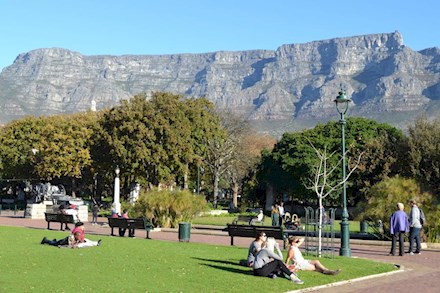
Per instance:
{"type": "Point", "coordinates": [295, 82]}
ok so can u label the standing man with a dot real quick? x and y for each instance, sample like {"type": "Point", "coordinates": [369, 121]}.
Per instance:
{"type": "Point", "coordinates": [414, 227]}
{"type": "Point", "coordinates": [398, 227]}
{"type": "Point", "coordinates": [281, 212]}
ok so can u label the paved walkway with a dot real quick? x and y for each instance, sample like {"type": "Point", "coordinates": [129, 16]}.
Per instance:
{"type": "Point", "coordinates": [421, 272]}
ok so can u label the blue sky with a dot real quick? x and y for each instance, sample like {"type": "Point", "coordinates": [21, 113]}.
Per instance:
{"type": "Point", "coordinates": [94, 27]}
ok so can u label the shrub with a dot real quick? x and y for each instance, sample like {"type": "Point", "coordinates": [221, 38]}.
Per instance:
{"type": "Point", "coordinates": [383, 196]}
{"type": "Point", "coordinates": [167, 208]}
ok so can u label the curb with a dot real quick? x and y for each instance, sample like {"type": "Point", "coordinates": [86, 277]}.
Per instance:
{"type": "Point", "coordinates": [401, 270]}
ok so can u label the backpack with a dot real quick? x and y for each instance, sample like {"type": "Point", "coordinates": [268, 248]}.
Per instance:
{"type": "Point", "coordinates": [422, 217]}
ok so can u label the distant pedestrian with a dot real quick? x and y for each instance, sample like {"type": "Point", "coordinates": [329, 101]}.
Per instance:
{"type": "Point", "coordinates": [275, 215]}
{"type": "Point", "coordinates": [282, 212]}
{"type": "Point", "coordinates": [95, 211]}
{"type": "Point", "coordinates": [398, 227]}
{"type": "Point", "coordinates": [415, 227]}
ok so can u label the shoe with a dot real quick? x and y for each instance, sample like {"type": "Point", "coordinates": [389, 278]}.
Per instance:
{"type": "Point", "coordinates": [417, 252]}
{"type": "Point", "coordinates": [99, 242]}
{"type": "Point", "coordinates": [336, 272]}
{"type": "Point", "coordinates": [294, 278]}
{"type": "Point", "coordinates": [411, 253]}
{"type": "Point", "coordinates": [67, 228]}
{"type": "Point", "coordinates": [272, 276]}
{"type": "Point", "coordinates": [44, 241]}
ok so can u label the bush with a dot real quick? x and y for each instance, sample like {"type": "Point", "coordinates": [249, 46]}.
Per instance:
{"type": "Point", "coordinates": [383, 197]}
{"type": "Point", "coordinates": [167, 208]}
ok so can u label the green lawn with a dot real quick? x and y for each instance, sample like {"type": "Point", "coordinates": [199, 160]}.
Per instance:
{"type": "Point", "coordinates": [140, 265]}
{"type": "Point", "coordinates": [223, 220]}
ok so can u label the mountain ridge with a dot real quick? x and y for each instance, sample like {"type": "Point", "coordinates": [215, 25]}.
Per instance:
{"type": "Point", "coordinates": [295, 82]}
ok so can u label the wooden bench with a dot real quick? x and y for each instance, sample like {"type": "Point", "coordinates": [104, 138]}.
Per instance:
{"type": "Point", "coordinates": [252, 231]}
{"type": "Point", "coordinates": [59, 218]}
{"type": "Point", "coordinates": [247, 219]}
{"type": "Point", "coordinates": [131, 225]}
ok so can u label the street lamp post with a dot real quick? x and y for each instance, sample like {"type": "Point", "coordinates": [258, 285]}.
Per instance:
{"type": "Point", "coordinates": [341, 102]}
{"type": "Point", "coordinates": [116, 203]}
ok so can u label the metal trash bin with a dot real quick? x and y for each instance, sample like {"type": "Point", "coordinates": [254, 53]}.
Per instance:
{"type": "Point", "coordinates": [184, 231]}
{"type": "Point", "coordinates": [364, 226]}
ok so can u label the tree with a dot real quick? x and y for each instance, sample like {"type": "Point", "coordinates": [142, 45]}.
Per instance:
{"type": "Point", "coordinates": [424, 152]}
{"type": "Point", "coordinates": [322, 183]}
{"type": "Point", "coordinates": [293, 159]}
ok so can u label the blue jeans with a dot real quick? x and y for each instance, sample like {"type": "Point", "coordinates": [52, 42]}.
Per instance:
{"type": "Point", "coordinates": [414, 233]}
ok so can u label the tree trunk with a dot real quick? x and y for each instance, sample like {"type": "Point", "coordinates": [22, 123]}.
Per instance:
{"type": "Point", "coordinates": [185, 177]}
{"type": "Point", "coordinates": [320, 227]}
{"type": "Point", "coordinates": [73, 187]}
{"type": "Point", "coordinates": [269, 197]}
{"type": "Point", "coordinates": [214, 196]}
{"type": "Point", "coordinates": [235, 188]}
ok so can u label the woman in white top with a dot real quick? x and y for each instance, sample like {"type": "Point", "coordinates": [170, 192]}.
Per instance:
{"type": "Point", "coordinates": [295, 255]}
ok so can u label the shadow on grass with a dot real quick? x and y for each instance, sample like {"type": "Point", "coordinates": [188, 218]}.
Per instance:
{"type": "Point", "coordinates": [232, 270]}
{"type": "Point", "coordinates": [241, 270]}
{"type": "Point", "coordinates": [227, 262]}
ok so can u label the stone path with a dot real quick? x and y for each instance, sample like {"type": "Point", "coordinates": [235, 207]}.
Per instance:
{"type": "Point", "coordinates": [421, 272]}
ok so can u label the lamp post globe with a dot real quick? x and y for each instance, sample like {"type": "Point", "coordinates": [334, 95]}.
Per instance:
{"type": "Point", "coordinates": [342, 102]}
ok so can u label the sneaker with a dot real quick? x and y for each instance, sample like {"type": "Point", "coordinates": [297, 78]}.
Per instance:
{"type": "Point", "coordinates": [411, 253]}
{"type": "Point", "coordinates": [418, 252]}
{"type": "Point", "coordinates": [99, 242]}
{"type": "Point", "coordinates": [272, 276]}
{"type": "Point", "coordinates": [44, 240]}
{"type": "Point", "coordinates": [294, 278]}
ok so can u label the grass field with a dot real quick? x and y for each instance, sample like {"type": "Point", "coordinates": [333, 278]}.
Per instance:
{"type": "Point", "coordinates": [223, 220]}
{"type": "Point", "coordinates": [140, 265]}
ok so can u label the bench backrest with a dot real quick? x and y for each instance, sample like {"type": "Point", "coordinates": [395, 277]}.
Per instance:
{"type": "Point", "coordinates": [252, 231]}
{"type": "Point", "coordinates": [117, 222]}
{"type": "Point", "coordinates": [137, 223]}
{"type": "Point", "coordinates": [51, 217]}
{"type": "Point", "coordinates": [127, 223]}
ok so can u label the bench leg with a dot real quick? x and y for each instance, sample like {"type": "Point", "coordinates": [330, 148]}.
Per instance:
{"type": "Point", "coordinates": [112, 233]}
{"type": "Point", "coordinates": [48, 225]}
{"type": "Point", "coordinates": [232, 240]}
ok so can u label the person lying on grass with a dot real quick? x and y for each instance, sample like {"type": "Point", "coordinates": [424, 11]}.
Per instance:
{"type": "Point", "coordinates": [75, 240]}
{"type": "Point", "coordinates": [268, 263]}
{"type": "Point", "coordinates": [295, 256]}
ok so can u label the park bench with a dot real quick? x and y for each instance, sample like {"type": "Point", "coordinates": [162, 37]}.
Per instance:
{"type": "Point", "coordinates": [131, 225]}
{"type": "Point", "coordinates": [247, 220]}
{"type": "Point", "coordinates": [59, 218]}
{"type": "Point", "coordinates": [252, 231]}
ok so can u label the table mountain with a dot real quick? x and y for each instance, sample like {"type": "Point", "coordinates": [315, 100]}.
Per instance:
{"type": "Point", "coordinates": [291, 87]}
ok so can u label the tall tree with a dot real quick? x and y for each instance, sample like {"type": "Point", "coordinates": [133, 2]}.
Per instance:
{"type": "Point", "coordinates": [424, 152]}
{"type": "Point", "coordinates": [292, 158]}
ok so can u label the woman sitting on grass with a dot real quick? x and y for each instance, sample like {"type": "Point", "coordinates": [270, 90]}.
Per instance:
{"type": "Point", "coordinates": [268, 263]}
{"type": "Point", "coordinates": [295, 255]}
{"type": "Point", "coordinates": [255, 247]}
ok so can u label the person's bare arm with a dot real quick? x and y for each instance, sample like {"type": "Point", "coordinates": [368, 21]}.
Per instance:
{"type": "Point", "coordinates": [290, 255]}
